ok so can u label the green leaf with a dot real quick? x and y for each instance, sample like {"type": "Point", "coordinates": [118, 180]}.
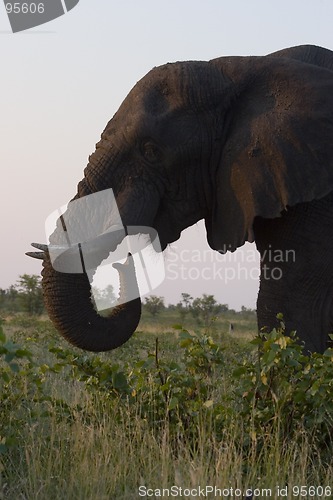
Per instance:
{"type": "Point", "coordinates": [239, 371]}
{"type": "Point", "coordinates": [9, 357]}
{"type": "Point", "coordinates": [14, 367]}
{"type": "Point", "coordinates": [5, 376]}
{"type": "Point", "coordinates": [57, 368]}
{"type": "Point", "coordinates": [22, 353]}
{"type": "Point", "coordinates": [184, 334]}
{"type": "Point", "coordinates": [2, 336]}
{"type": "Point", "coordinates": [149, 362]}
{"type": "Point", "coordinates": [139, 364]}
{"type": "Point", "coordinates": [186, 342]}
{"type": "Point", "coordinates": [314, 388]}
{"type": "Point", "coordinates": [328, 353]}
{"type": "Point", "coordinates": [173, 403]}
{"type": "Point", "coordinates": [256, 341]}
{"type": "Point", "coordinates": [269, 357]}
{"type": "Point", "coordinates": [299, 396]}
{"type": "Point", "coordinates": [3, 449]}
{"type": "Point", "coordinates": [119, 381]}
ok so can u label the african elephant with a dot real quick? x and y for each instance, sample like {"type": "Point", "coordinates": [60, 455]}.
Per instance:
{"type": "Point", "coordinates": [245, 143]}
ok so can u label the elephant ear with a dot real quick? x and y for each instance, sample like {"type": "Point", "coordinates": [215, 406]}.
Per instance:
{"type": "Point", "coordinates": [279, 147]}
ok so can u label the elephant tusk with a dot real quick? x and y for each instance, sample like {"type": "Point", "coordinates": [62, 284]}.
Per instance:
{"type": "Point", "coordinates": [99, 247]}
{"type": "Point", "coordinates": [36, 255]}
{"type": "Point", "coordinates": [40, 246]}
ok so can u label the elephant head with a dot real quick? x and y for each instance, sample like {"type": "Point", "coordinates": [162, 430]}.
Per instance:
{"type": "Point", "coordinates": [228, 140]}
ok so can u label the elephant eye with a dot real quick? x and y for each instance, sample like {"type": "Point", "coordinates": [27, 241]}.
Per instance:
{"type": "Point", "coordinates": [150, 152]}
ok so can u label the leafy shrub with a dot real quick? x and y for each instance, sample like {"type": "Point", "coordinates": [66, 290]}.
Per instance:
{"type": "Point", "coordinates": [279, 389]}
{"type": "Point", "coordinates": [24, 399]}
{"type": "Point", "coordinates": [175, 393]}
{"type": "Point", "coordinates": [12, 387]}
{"type": "Point", "coordinates": [285, 390]}
{"type": "Point", "coordinates": [274, 389]}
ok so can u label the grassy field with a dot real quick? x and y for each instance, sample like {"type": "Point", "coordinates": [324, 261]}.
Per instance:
{"type": "Point", "coordinates": [193, 409]}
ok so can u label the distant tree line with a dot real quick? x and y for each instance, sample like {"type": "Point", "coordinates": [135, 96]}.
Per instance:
{"type": "Point", "coordinates": [25, 296]}
{"type": "Point", "coordinates": [203, 309]}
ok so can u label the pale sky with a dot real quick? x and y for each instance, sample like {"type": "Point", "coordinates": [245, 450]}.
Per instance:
{"type": "Point", "coordinates": [62, 82]}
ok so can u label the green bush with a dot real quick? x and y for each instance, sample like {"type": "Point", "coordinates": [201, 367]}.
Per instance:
{"type": "Point", "coordinates": [173, 393]}
{"type": "Point", "coordinates": [24, 399]}
{"type": "Point", "coordinates": [277, 389]}
{"type": "Point", "coordinates": [286, 390]}
{"type": "Point", "coordinates": [13, 389]}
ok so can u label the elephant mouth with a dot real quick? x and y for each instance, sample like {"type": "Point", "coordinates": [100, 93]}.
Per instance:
{"type": "Point", "coordinates": [82, 254]}
{"type": "Point", "coordinates": [167, 229]}
{"type": "Point", "coordinates": [164, 242]}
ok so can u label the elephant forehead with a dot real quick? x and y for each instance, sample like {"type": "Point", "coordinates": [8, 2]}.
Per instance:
{"type": "Point", "coordinates": [156, 100]}
{"type": "Point", "coordinates": [161, 89]}
{"type": "Point", "coordinates": [173, 86]}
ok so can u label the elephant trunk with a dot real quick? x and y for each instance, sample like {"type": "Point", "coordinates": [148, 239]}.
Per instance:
{"type": "Point", "coordinates": [68, 302]}
{"type": "Point", "coordinates": [67, 296]}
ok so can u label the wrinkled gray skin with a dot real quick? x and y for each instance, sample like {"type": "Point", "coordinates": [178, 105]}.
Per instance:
{"type": "Point", "coordinates": [245, 143]}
